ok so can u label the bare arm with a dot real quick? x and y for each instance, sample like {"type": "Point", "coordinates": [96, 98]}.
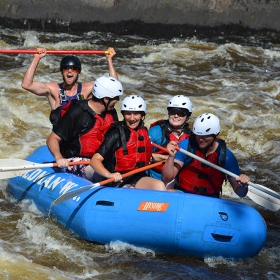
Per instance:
{"type": "Point", "coordinates": [171, 167]}
{"type": "Point", "coordinates": [109, 57]}
{"type": "Point", "coordinates": [240, 184]}
{"type": "Point", "coordinates": [159, 157]}
{"type": "Point", "coordinates": [53, 145]}
{"type": "Point", "coordinates": [97, 165]}
{"type": "Point", "coordinates": [88, 86]}
{"type": "Point", "coordinates": [37, 88]}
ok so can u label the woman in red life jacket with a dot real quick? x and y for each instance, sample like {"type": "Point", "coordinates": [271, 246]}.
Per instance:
{"type": "Point", "coordinates": [126, 146]}
{"type": "Point", "coordinates": [80, 131]}
{"type": "Point", "coordinates": [175, 128]}
{"type": "Point", "coordinates": [199, 178]}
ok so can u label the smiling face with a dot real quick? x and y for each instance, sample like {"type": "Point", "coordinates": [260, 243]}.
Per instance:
{"type": "Point", "coordinates": [177, 118]}
{"type": "Point", "coordinates": [205, 142]}
{"type": "Point", "coordinates": [132, 118]}
{"type": "Point", "coordinates": [70, 75]}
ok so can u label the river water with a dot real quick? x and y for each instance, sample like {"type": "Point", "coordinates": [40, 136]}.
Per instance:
{"type": "Point", "coordinates": [236, 78]}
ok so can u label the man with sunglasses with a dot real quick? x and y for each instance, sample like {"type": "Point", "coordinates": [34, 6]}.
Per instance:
{"type": "Point", "coordinates": [175, 128]}
{"type": "Point", "coordinates": [199, 178]}
{"type": "Point", "coordinates": [59, 94]}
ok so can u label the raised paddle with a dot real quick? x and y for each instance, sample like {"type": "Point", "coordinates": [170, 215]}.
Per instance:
{"type": "Point", "coordinates": [54, 52]}
{"type": "Point", "coordinates": [86, 188]}
{"type": "Point", "coordinates": [10, 168]}
{"type": "Point", "coordinates": [258, 193]}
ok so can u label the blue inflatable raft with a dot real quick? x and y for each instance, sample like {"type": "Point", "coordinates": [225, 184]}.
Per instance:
{"type": "Point", "coordinates": [173, 223]}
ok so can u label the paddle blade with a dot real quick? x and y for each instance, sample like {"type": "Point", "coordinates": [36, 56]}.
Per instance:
{"type": "Point", "coordinates": [264, 199]}
{"type": "Point", "coordinates": [74, 193]}
{"type": "Point", "coordinates": [11, 174]}
{"type": "Point", "coordinates": [107, 181]}
{"type": "Point", "coordinates": [258, 193]}
{"type": "Point", "coordinates": [4, 162]}
{"type": "Point", "coordinates": [12, 170]}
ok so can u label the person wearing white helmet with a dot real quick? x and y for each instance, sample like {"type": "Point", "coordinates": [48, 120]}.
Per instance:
{"type": "Point", "coordinates": [196, 177]}
{"type": "Point", "coordinates": [60, 94]}
{"type": "Point", "coordinates": [126, 147]}
{"type": "Point", "coordinates": [175, 128]}
{"type": "Point", "coordinates": [79, 132]}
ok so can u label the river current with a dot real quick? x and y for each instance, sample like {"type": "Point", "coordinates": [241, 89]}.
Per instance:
{"type": "Point", "coordinates": [236, 78]}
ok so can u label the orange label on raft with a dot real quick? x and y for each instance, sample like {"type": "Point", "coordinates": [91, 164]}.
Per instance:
{"type": "Point", "coordinates": [153, 206]}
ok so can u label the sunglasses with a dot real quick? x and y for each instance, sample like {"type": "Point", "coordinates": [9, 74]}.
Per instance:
{"type": "Point", "coordinates": [178, 113]}
{"type": "Point", "coordinates": [74, 69]}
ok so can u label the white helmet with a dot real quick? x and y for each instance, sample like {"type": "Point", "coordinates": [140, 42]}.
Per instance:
{"type": "Point", "coordinates": [134, 103]}
{"type": "Point", "coordinates": [180, 101]}
{"type": "Point", "coordinates": [206, 124]}
{"type": "Point", "coordinates": [107, 87]}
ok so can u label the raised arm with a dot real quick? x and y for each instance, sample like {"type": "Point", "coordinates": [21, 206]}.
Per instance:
{"type": "Point", "coordinates": [37, 88]}
{"type": "Point", "coordinates": [109, 57]}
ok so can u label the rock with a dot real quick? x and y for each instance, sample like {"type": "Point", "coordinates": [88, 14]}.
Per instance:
{"type": "Point", "coordinates": [161, 18]}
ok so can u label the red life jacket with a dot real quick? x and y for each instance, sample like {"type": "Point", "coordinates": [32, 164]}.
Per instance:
{"type": "Point", "coordinates": [200, 178]}
{"type": "Point", "coordinates": [134, 153]}
{"type": "Point", "coordinates": [65, 109]}
{"type": "Point", "coordinates": [108, 120]}
{"type": "Point", "coordinates": [167, 136]}
{"type": "Point", "coordinates": [91, 140]}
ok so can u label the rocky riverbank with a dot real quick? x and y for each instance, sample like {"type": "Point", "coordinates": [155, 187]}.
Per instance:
{"type": "Point", "coordinates": [161, 18]}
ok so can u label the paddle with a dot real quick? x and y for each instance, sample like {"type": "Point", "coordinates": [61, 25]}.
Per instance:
{"type": "Point", "coordinates": [54, 52]}
{"type": "Point", "coordinates": [258, 193]}
{"type": "Point", "coordinates": [83, 189]}
{"type": "Point", "coordinates": [18, 167]}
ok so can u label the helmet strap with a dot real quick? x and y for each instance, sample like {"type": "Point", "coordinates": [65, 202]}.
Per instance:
{"type": "Point", "coordinates": [105, 105]}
